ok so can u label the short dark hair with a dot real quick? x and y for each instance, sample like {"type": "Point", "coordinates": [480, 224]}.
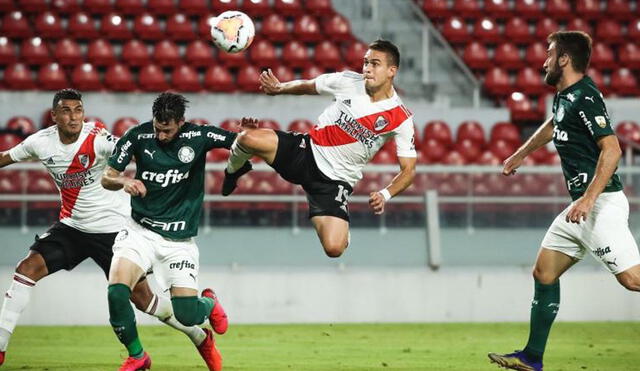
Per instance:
{"type": "Point", "coordinates": [169, 106]}
{"type": "Point", "coordinates": [389, 48]}
{"type": "Point", "coordinates": [576, 44]}
{"type": "Point", "coordinates": [65, 94]}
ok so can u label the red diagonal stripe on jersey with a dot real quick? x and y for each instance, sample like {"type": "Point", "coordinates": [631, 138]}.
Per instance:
{"type": "Point", "coordinates": [70, 195]}
{"type": "Point", "coordinates": [330, 136]}
{"type": "Point", "coordinates": [395, 116]}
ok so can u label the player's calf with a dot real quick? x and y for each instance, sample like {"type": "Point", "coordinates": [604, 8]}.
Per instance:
{"type": "Point", "coordinates": [630, 278]}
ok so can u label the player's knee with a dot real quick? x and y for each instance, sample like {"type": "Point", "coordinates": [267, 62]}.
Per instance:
{"type": "Point", "coordinates": [186, 311]}
{"type": "Point", "coordinates": [544, 277]}
{"type": "Point", "coordinates": [32, 267]}
{"type": "Point", "coordinates": [333, 249]}
{"type": "Point", "coordinates": [141, 297]}
{"type": "Point", "coordinates": [630, 282]}
{"type": "Point", "coordinates": [247, 139]}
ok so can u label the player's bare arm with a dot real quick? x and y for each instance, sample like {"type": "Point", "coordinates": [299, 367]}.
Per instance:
{"type": "Point", "coordinates": [542, 136]}
{"type": "Point", "coordinates": [270, 84]}
{"type": "Point", "coordinates": [5, 159]}
{"type": "Point", "coordinates": [610, 154]}
{"type": "Point", "coordinates": [399, 183]}
{"type": "Point", "coordinates": [114, 181]}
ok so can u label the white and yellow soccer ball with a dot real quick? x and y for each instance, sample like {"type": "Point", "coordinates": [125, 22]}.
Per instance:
{"type": "Point", "coordinates": [232, 31]}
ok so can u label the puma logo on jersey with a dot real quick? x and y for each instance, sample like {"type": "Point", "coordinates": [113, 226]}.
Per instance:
{"type": "Point", "coordinates": [589, 98]}
{"type": "Point", "coordinates": [149, 153]}
{"type": "Point", "coordinates": [303, 144]}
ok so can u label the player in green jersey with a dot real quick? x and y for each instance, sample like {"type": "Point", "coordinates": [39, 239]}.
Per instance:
{"type": "Point", "coordinates": [597, 220]}
{"type": "Point", "coordinates": [167, 193]}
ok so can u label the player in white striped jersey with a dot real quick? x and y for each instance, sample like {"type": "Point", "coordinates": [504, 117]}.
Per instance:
{"type": "Point", "coordinates": [327, 162]}
{"type": "Point", "coordinates": [75, 154]}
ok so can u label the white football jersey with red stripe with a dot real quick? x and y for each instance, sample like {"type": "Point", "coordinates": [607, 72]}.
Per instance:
{"type": "Point", "coordinates": [77, 170]}
{"type": "Point", "coordinates": [352, 129]}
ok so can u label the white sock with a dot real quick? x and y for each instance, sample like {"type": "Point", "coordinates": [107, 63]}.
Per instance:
{"type": "Point", "coordinates": [160, 307]}
{"type": "Point", "coordinates": [238, 156]}
{"type": "Point", "coordinates": [15, 300]}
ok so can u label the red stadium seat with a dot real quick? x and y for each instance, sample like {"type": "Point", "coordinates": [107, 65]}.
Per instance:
{"type": "Point", "coordinates": [101, 53]}
{"type": "Point", "coordinates": [35, 51]}
{"type": "Point", "coordinates": [633, 31]}
{"type": "Point", "coordinates": [8, 141]}
{"type": "Point", "coordinates": [85, 78]}
{"type": "Point", "coordinates": [559, 9]}
{"type": "Point", "coordinates": [521, 107]}
{"type": "Point", "coordinates": [609, 31]}
{"type": "Point", "coordinates": [337, 28]}
{"type": "Point", "coordinates": [602, 56]}
{"type": "Point", "coordinates": [435, 9]}
{"type": "Point", "coordinates": [97, 7]}
{"type": "Point", "coordinates": [623, 82]}
{"type": "Point", "coordinates": [257, 8]}
{"type": "Point", "coordinates": [455, 30]}
{"type": "Point", "coordinates": [263, 54]}
{"type": "Point", "coordinates": [438, 130]}
{"type": "Point", "coordinates": [628, 131]}
{"type": "Point", "coordinates": [507, 56]}
{"type": "Point", "coordinates": [15, 25]}
{"type": "Point", "coordinates": [218, 155]}
{"type": "Point", "coordinates": [518, 31]}
{"type": "Point", "coordinates": [579, 24]}
{"type": "Point", "coordinates": [135, 53]}
{"type": "Point", "coordinates": [535, 55]}
{"type": "Point", "coordinates": [82, 26]}
{"type": "Point", "coordinates": [52, 77]}
{"type": "Point", "coordinates": [230, 125]}
{"type": "Point", "coordinates": [8, 51]}
{"type": "Point", "coordinates": [274, 28]}
{"type": "Point", "coordinates": [327, 55]}
{"type": "Point", "coordinates": [476, 56]}
{"type": "Point", "coordinates": [68, 53]}
{"type": "Point", "coordinates": [307, 29]}
{"type": "Point", "coordinates": [7, 6]}
{"type": "Point", "coordinates": [248, 79]}
{"type": "Point", "coordinates": [161, 7]}
{"type": "Point", "coordinates": [619, 9]}
{"type": "Point", "coordinates": [487, 158]}
{"type": "Point", "coordinates": [505, 131]}
{"type": "Point", "coordinates": [541, 156]}
{"type": "Point", "coordinates": [497, 9]}
{"type": "Point", "coordinates": [269, 124]}
{"type": "Point", "coordinates": [199, 54]}
{"type": "Point", "coordinates": [151, 78]}
{"type": "Point", "coordinates": [204, 26]}
{"type": "Point", "coordinates": [354, 55]}
{"type": "Point", "coordinates": [468, 149]}
{"type": "Point", "coordinates": [311, 72]}
{"type": "Point", "coordinates": [33, 6]}
{"type": "Point", "coordinates": [17, 76]}
{"type": "Point", "coordinates": [284, 73]}
{"type": "Point", "coordinates": [220, 6]}
{"type": "Point", "coordinates": [384, 157]}
{"type": "Point", "coordinates": [467, 8]}
{"type": "Point", "coordinates": [319, 8]}
{"type": "Point", "coordinates": [588, 9]}
{"type": "Point", "coordinates": [179, 28]}
{"type": "Point", "coordinates": [148, 28]}
{"type": "Point", "coordinates": [166, 53]}
{"type": "Point", "coordinates": [528, 9]}
{"type": "Point", "coordinates": [49, 26]}
{"type": "Point", "coordinates": [597, 78]}
{"type": "Point", "coordinates": [433, 150]}
{"type": "Point", "coordinates": [185, 78]}
{"type": "Point", "coordinates": [46, 120]}
{"type": "Point", "coordinates": [486, 30]}
{"type": "Point", "coordinates": [129, 7]}
{"type": "Point", "coordinates": [294, 54]}
{"type": "Point", "coordinates": [497, 82]}
{"type": "Point", "coordinates": [300, 126]}
{"type": "Point", "coordinates": [288, 8]}
{"type": "Point", "coordinates": [114, 27]}
{"type": "Point", "coordinates": [22, 124]}
{"type": "Point", "coordinates": [471, 130]}
{"type": "Point", "coordinates": [122, 125]}
{"type": "Point", "coordinates": [453, 158]}
{"type": "Point", "coordinates": [218, 78]}
{"type": "Point", "coordinates": [530, 81]}
{"type": "Point", "coordinates": [233, 59]}
{"type": "Point", "coordinates": [193, 7]}
{"type": "Point", "coordinates": [629, 55]}
{"type": "Point", "coordinates": [119, 78]}
{"type": "Point", "coordinates": [544, 27]}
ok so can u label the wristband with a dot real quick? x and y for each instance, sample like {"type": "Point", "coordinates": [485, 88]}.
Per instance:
{"type": "Point", "coordinates": [385, 193]}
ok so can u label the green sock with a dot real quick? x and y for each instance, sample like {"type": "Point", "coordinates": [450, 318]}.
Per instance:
{"type": "Point", "coordinates": [123, 320]}
{"type": "Point", "coordinates": [544, 308]}
{"type": "Point", "coordinates": [191, 310]}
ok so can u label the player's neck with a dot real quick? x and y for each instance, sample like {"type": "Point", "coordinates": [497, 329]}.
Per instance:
{"type": "Point", "coordinates": [382, 93]}
{"type": "Point", "coordinates": [65, 139]}
{"type": "Point", "coordinates": [568, 79]}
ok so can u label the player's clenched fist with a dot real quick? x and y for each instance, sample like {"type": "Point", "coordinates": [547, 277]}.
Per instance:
{"type": "Point", "coordinates": [376, 202]}
{"type": "Point", "coordinates": [135, 187]}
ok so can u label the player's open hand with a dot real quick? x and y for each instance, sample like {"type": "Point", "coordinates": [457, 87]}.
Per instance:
{"type": "Point", "coordinates": [269, 83]}
{"type": "Point", "coordinates": [579, 210]}
{"type": "Point", "coordinates": [248, 123]}
{"type": "Point", "coordinates": [134, 187]}
{"type": "Point", "coordinates": [376, 202]}
{"type": "Point", "coordinates": [511, 164]}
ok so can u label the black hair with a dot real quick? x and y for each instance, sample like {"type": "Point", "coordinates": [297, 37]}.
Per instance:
{"type": "Point", "coordinates": [575, 44]}
{"type": "Point", "coordinates": [65, 94]}
{"type": "Point", "coordinates": [169, 106]}
{"type": "Point", "coordinates": [389, 48]}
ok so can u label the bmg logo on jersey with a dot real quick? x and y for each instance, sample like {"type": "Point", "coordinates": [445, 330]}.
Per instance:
{"type": "Point", "coordinates": [183, 264]}
{"type": "Point", "coordinates": [164, 179]}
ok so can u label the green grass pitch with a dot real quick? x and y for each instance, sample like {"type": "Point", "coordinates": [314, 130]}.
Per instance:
{"type": "Point", "coordinates": [572, 346]}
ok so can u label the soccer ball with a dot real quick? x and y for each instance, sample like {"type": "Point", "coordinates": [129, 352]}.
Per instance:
{"type": "Point", "coordinates": [232, 31]}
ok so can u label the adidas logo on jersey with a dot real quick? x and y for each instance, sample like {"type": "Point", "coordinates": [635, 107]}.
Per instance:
{"type": "Point", "coordinates": [50, 161]}
{"type": "Point", "coordinates": [164, 179]}
{"type": "Point", "coordinates": [347, 102]}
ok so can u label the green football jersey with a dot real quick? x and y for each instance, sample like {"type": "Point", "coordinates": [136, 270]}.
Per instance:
{"type": "Point", "coordinates": [173, 175]}
{"type": "Point", "coordinates": [580, 118]}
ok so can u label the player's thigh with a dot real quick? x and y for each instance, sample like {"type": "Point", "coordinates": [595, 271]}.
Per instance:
{"type": "Point", "coordinates": [59, 248]}
{"type": "Point", "coordinates": [551, 264]}
{"type": "Point", "coordinates": [133, 254]}
{"type": "Point", "coordinates": [177, 265]}
{"type": "Point", "coordinates": [262, 142]}
{"type": "Point", "coordinates": [100, 249]}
